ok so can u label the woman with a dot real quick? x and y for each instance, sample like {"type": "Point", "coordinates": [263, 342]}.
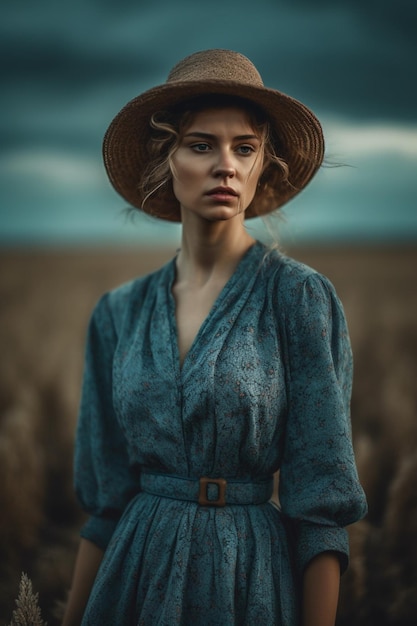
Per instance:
{"type": "Point", "coordinates": [207, 376]}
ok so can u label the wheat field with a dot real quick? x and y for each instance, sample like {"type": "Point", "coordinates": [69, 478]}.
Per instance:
{"type": "Point", "coordinates": [46, 297]}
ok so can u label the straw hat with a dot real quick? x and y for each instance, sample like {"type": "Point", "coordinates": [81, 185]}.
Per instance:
{"type": "Point", "coordinates": [297, 132]}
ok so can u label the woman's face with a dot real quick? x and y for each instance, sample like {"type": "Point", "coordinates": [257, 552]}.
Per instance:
{"type": "Point", "coordinates": [218, 164]}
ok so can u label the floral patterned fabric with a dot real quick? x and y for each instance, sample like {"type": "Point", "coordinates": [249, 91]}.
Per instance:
{"type": "Point", "coordinates": [265, 386]}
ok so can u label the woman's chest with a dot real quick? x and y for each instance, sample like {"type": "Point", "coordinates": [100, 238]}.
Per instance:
{"type": "Point", "coordinates": [229, 402]}
{"type": "Point", "coordinates": [234, 364]}
{"type": "Point", "coordinates": [192, 309]}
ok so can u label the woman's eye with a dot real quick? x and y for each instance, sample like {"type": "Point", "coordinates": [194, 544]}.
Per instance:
{"type": "Point", "coordinates": [246, 149]}
{"type": "Point", "coordinates": [200, 147]}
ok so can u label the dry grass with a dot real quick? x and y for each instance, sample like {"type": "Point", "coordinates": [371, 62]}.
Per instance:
{"type": "Point", "coordinates": [46, 299]}
{"type": "Point", "coordinates": [27, 611]}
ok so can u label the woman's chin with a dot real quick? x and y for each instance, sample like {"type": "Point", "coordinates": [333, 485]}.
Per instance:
{"type": "Point", "coordinates": [219, 213]}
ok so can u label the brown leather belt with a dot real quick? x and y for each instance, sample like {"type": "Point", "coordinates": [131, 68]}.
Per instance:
{"type": "Point", "coordinates": [207, 491]}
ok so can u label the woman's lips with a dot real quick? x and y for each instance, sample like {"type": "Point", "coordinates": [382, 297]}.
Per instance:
{"type": "Point", "coordinates": [222, 193]}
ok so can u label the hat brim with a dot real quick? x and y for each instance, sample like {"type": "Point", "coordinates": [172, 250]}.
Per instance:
{"type": "Point", "coordinates": [297, 130]}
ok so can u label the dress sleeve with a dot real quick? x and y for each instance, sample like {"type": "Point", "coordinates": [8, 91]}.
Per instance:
{"type": "Point", "coordinates": [104, 482]}
{"type": "Point", "coordinates": [319, 487]}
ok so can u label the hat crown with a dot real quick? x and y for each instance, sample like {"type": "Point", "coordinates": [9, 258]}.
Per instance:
{"type": "Point", "coordinates": [222, 65]}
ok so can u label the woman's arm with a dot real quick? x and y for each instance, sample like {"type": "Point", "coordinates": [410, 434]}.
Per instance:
{"type": "Point", "coordinates": [321, 584]}
{"type": "Point", "coordinates": [86, 566]}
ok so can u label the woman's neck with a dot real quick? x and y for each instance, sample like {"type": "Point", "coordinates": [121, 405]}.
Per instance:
{"type": "Point", "coordinates": [215, 251]}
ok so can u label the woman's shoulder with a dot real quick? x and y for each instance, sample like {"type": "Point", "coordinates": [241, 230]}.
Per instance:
{"type": "Point", "coordinates": [295, 283]}
{"type": "Point", "coordinates": [118, 301]}
{"type": "Point", "coordinates": [288, 270]}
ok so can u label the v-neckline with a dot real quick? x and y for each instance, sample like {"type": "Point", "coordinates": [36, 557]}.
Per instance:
{"type": "Point", "coordinates": [181, 367]}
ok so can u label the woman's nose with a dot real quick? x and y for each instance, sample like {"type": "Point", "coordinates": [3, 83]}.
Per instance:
{"type": "Point", "coordinates": [224, 166]}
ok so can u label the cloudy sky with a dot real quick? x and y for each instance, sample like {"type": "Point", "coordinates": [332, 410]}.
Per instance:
{"type": "Point", "coordinates": [67, 69]}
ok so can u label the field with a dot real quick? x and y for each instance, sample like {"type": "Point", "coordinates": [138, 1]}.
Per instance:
{"type": "Point", "coordinates": [45, 301]}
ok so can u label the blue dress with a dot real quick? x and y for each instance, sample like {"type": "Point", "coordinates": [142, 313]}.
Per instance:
{"type": "Point", "coordinates": [265, 386]}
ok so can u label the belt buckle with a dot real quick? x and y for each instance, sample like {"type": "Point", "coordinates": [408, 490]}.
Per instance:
{"type": "Point", "coordinates": [202, 495]}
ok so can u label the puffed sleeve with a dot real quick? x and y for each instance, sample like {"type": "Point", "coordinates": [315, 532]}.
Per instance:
{"type": "Point", "coordinates": [104, 482]}
{"type": "Point", "coordinates": [319, 486]}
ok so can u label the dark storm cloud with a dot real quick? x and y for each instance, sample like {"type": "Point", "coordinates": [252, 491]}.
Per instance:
{"type": "Point", "coordinates": [361, 57]}
{"type": "Point", "coordinates": [356, 56]}
{"type": "Point", "coordinates": [396, 17]}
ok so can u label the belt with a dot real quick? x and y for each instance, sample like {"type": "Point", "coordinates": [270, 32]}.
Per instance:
{"type": "Point", "coordinates": [207, 491]}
